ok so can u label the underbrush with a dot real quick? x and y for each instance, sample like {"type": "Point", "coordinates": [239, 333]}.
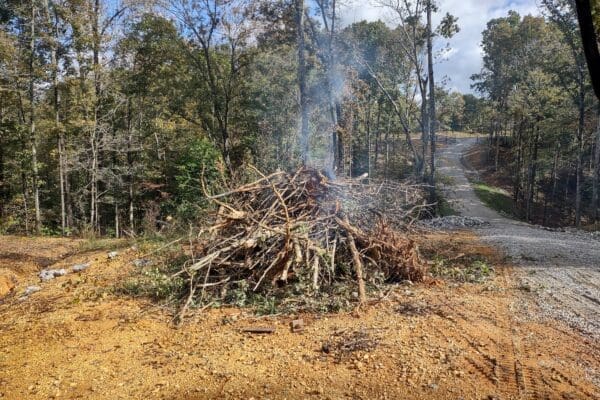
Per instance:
{"type": "Point", "coordinates": [163, 282]}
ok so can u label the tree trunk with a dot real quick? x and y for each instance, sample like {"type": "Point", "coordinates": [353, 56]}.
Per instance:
{"type": "Point", "coordinates": [94, 134]}
{"type": "Point", "coordinates": [32, 131]}
{"type": "Point", "coordinates": [117, 228]}
{"type": "Point", "coordinates": [304, 134]}
{"type": "Point", "coordinates": [432, 118]}
{"type": "Point", "coordinates": [4, 194]}
{"type": "Point", "coordinates": [596, 181]}
{"type": "Point", "coordinates": [333, 109]}
{"type": "Point", "coordinates": [368, 123]}
{"type": "Point", "coordinates": [59, 132]}
{"type": "Point", "coordinates": [580, 151]}
{"type": "Point", "coordinates": [377, 135]}
{"type": "Point", "coordinates": [553, 180]}
{"type": "Point", "coordinates": [532, 173]}
{"type": "Point", "coordinates": [130, 172]}
{"type": "Point", "coordinates": [517, 174]}
{"type": "Point", "coordinates": [25, 202]}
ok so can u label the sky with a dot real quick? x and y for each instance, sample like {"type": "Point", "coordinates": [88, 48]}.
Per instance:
{"type": "Point", "coordinates": [465, 57]}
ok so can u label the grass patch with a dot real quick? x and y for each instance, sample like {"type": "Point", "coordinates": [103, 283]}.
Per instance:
{"type": "Point", "coordinates": [467, 269]}
{"type": "Point", "coordinates": [496, 198]}
{"type": "Point", "coordinates": [103, 244]}
{"type": "Point", "coordinates": [444, 209]}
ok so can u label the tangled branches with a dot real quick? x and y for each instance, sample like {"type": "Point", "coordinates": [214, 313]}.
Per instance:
{"type": "Point", "coordinates": [304, 227]}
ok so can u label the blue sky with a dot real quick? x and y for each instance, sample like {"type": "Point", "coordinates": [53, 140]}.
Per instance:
{"type": "Point", "coordinates": [465, 58]}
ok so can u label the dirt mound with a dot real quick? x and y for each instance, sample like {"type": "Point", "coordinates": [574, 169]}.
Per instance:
{"type": "Point", "coordinates": [8, 280]}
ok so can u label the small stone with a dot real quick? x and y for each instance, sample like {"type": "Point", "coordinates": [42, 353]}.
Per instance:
{"type": "Point", "coordinates": [80, 267]}
{"type": "Point", "coordinates": [49, 274]}
{"type": "Point", "coordinates": [142, 262]}
{"type": "Point", "coordinates": [112, 254]}
{"type": "Point", "coordinates": [31, 289]}
{"type": "Point", "coordinates": [297, 325]}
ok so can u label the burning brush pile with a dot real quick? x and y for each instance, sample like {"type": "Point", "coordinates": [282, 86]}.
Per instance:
{"type": "Point", "coordinates": [304, 234]}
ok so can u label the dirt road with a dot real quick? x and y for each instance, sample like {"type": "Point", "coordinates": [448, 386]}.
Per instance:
{"type": "Point", "coordinates": [562, 269]}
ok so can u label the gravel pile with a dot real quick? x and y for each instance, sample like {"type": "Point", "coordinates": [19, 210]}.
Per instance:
{"type": "Point", "coordinates": [454, 222]}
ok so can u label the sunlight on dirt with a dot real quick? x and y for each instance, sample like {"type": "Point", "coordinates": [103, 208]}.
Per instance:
{"type": "Point", "coordinates": [76, 339]}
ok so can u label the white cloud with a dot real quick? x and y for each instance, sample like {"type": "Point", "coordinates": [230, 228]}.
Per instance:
{"type": "Point", "coordinates": [465, 59]}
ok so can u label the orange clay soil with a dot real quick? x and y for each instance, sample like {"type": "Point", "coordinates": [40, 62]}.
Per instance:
{"type": "Point", "coordinates": [75, 339]}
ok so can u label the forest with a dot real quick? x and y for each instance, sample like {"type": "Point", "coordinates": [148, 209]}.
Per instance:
{"type": "Point", "coordinates": [112, 112]}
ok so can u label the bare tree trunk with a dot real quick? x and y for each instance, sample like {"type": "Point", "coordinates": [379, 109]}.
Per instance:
{"type": "Point", "coordinates": [387, 147]}
{"type": "Point", "coordinates": [117, 228]}
{"type": "Point", "coordinates": [422, 160]}
{"type": "Point", "coordinates": [377, 135]}
{"type": "Point", "coordinates": [580, 151]}
{"type": "Point", "coordinates": [94, 134]}
{"type": "Point", "coordinates": [32, 131]}
{"type": "Point", "coordinates": [329, 25]}
{"type": "Point", "coordinates": [532, 173]}
{"type": "Point", "coordinates": [517, 174]}
{"type": "Point", "coordinates": [53, 26]}
{"type": "Point", "coordinates": [25, 202]}
{"type": "Point", "coordinates": [596, 181]}
{"type": "Point", "coordinates": [553, 180]}
{"type": "Point", "coordinates": [432, 118]}
{"type": "Point", "coordinates": [497, 150]}
{"type": "Point", "coordinates": [368, 123]}
{"type": "Point", "coordinates": [304, 133]}
{"type": "Point", "coordinates": [4, 188]}
{"type": "Point", "coordinates": [130, 172]}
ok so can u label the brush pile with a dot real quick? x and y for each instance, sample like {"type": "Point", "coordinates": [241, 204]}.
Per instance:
{"type": "Point", "coordinates": [305, 230]}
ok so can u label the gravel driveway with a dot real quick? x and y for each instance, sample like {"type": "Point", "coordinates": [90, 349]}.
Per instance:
{"type": "Point", "coordinates": [561, 269]}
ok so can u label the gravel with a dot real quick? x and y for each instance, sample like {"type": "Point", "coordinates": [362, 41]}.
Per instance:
{"type": "Point", "coordinates": [560, 267]}
{"type": "Point", "coordinates": [453, 222]}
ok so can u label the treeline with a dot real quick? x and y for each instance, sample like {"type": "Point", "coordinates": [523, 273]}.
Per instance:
{"type": "Point", "coordinates": [544, 121]}
{"type": "Point", "coordinates": [111, 113]}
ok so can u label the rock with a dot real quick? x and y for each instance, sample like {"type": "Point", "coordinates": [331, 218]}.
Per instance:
{"type": "Point", "coordinates": [80, 267]}
{"type": "Point", "coordinates": [31, 289]}
{"type": "Point", "coordinates": [142, 262]}
{"type": "Point", "coordinates": [112, 254]}
{"type": "Point", "coordinates": [297, 325]}
{"type": "Point", "coordinates": [49, 274]}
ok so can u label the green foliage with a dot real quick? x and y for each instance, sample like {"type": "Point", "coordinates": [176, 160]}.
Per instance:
{"type": "Point", "coordinates": [155, 284]}
{"type": "Point", "coordinates": [464, 270]}
{"type": "Point", "coordinates": [198, 161]}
